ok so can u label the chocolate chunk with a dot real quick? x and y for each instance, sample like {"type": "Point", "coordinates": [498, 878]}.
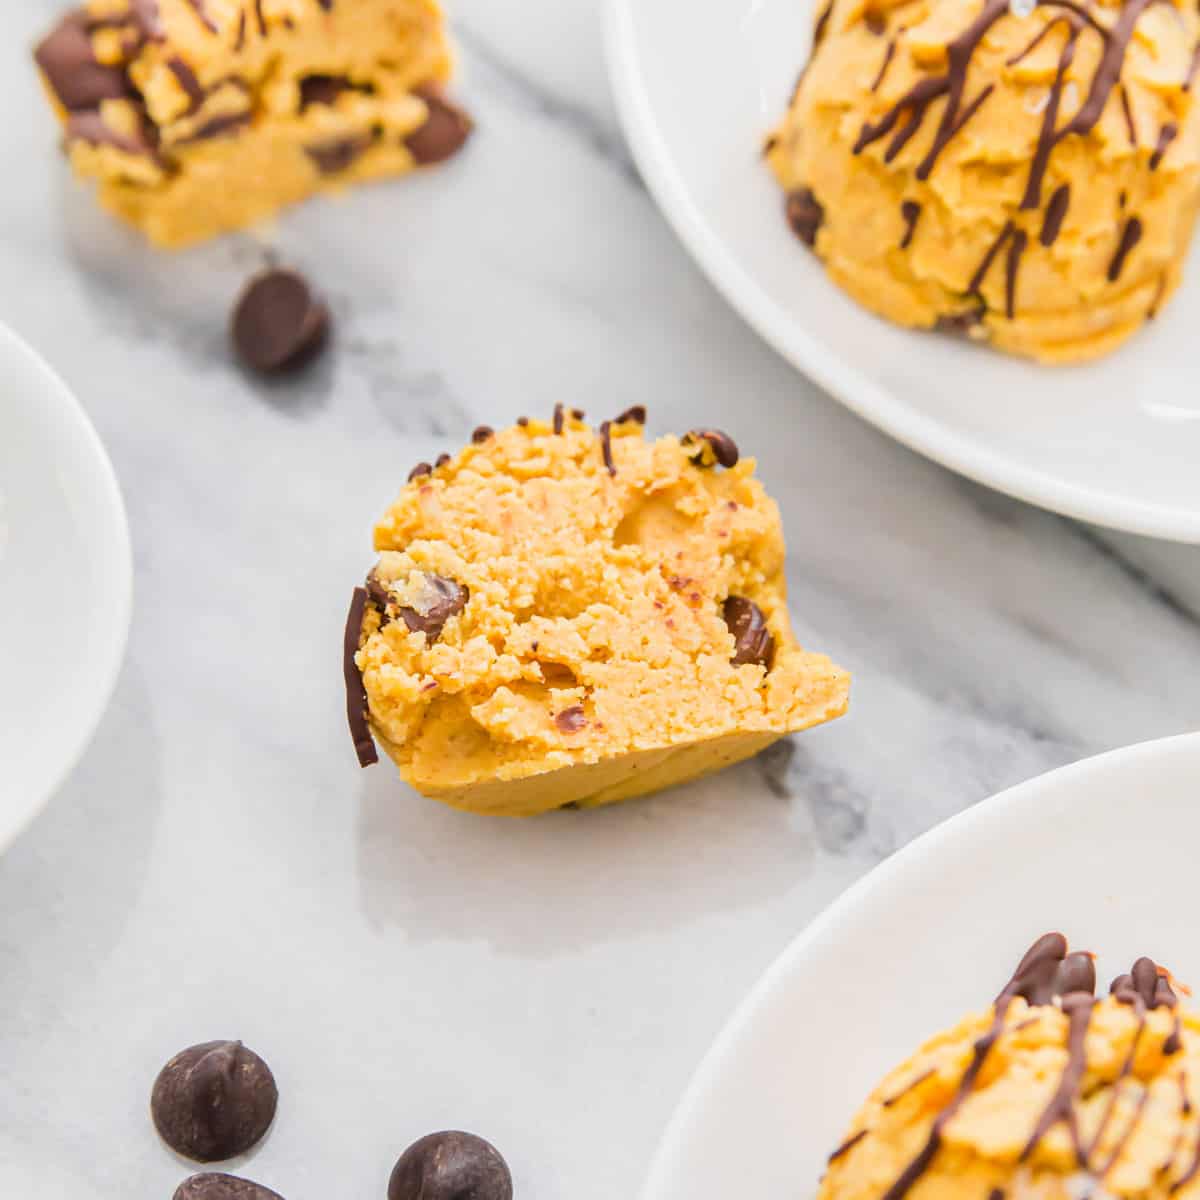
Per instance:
{"type": "Point", "coordinates": [323, 89]}
{"type": "Point", "coordinates": [214, 1186]}
{"type": "Point", "coordinates": [422, 468]}
{"type": "Point", "coordinates": [91, 127]}
{"type": "Point", "coordinates": [445, 131]}
{"type": "Point", "coordinates": [438, 601]}
{"type": "Point", "coordinates": [214, 1101]}
{"type": "Point", "coordinates": [571, 720]}
{"type": "Point", "coordinates": [606, 447]}
{"type": "Point", "coordinates": [276, 323]}
{"type": "Point", "coordinates": [66, 59]}
{"type": "Point", "coordinates": [451, 1166]}
{"type": "Point", "coordinates": [441, 460]}
{"type": "Point", "coordinates": [959, 324]}
{"type": "Point", "coordinates": [721, 446]}
{"type": "Point", "coordinates": [338, 154]}
{"type": "Point", "coordinates": [804, 215]}
{"type": "Point", "coordinates": [380, 595]}
{"type": "Point", "coordinates": [356, 693]}
{"type": "Point", "coordinates": [636, 414]}
{"type": "Point", "coordinates": [559, 415]}
{"type": "Point", "coordinates": [482, 434]}
{"type": "Point", "coordinates": [752, 640]}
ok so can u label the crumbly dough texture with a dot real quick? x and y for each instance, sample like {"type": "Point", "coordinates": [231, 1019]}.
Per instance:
{"type": "Point", "coordinates": [230, 115]}
{"type": "Point", "coordinates": [1147, 1145]}
{"type": "Point", "coordinates": [956, 239]}
{"type": "Point", "coordinates": [594, 595]}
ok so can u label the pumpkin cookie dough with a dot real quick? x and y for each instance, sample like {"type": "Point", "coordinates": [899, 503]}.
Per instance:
{"type": "Point", "coordinates": [1050, 1094]}
{"type": "Point", "coordinates": [563, 615]}
{"type": "Point", "coordinates": [201, 116]}
{"type": "Point", "coordinates": [1025, 172]}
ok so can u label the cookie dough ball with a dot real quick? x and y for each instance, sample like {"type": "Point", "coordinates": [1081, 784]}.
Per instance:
{"type": "Point", "coordinates": [1049, 1094]}
{"type": "Point", "coordinates": [1026, 173]}
{"type": "Point", "coordinates": [564, 615]}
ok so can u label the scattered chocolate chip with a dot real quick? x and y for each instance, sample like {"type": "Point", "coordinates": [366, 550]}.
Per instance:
{"type": "Point", "coordinates": [522, 421]}
{"type": "Point", "coordinates": [578, 414]}
{"type": "Point", "coordinates": [723, 447]}
{"type": "Point", "coordinates": [338, 154]}
{"type": "Point", "coordinates": [445, 131]}
{"type": "Point", "coordinates": [636, 414]}
{"type": "Point", "coordinates": [482, 434]}
{"type": "Point", "coordinates": [380, 596]}
{"type": "Point", "coordinates": [276, 323]}
{"type": "Point", "coordinates": [214, 1186]}
{"type": "Point", "coordinates": [356, 693]}
{"type": "Point", "coordinates": [323, 89]}
{"type": "Point", "coordinates": [752, 640]}
{"type": "Point", "coordinates": [571, 720]}
{"type": "Point", "coordinates": [451, 1166]}
{"type": "Point", "coordinates": [559, 415]}
{"type": "Point", "coordinates": [438, 600]}
{"type": "Point", "coordinates": [442, 460]}
{"type": "Point", "coordinates": [422, 468]}
{"type": "Point", "coordinates": [66, 59]}
{"type": "Point", "coordinates": [214, 1101]}
{"type": "Point", "coordinates": [804, 215]}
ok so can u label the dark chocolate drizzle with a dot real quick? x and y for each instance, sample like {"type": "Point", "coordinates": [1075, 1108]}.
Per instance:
{"type": "Point", "coordinates": [910, 211]}
{"type": "Point", "coordinates": [356, 692]}
{"type": "Point", "coordinates": [1127, 112]}
{"type": "Point", "coordinates": [1078, 1007]}
{"type": "Point", "coordinates": [1166, 135]}
{"type": "Point", "coordinates": [606, 446]}
{"type": "Point", "coordinates": [201, 11]}
{"type": "Point", "coordinates": [1056, 211]}
{"type": "Point", "coordinates": [848, 1145]}
{"type": "Point", "coordinates": [187, 80]}
{"type": "Point", "coordinates": [1193, 67]}
{"type": "Point", "coordinates": [1046, 136]}
{"type": "Point", "coordinates": [889, 54]}
{"type": "Point", "coordinates": [262, 20]}
{"type": "Point", "coordinates": [1131, 234]}
{"type": "Point", "coordinates": [911, 1086]}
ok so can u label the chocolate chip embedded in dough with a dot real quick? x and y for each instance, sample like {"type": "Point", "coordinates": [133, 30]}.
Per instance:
{"type": "Point", "coordinates": [752, 640]}
{"type": "Point", "coordinates": [214, 1101]}
{"type": "Point", "coordinates": [805, 215]}
{"type": "Point", "coordinates": [149, 20]}
{"type": "Point", "coordinates": [277, 324]}
{"type": "Point", "coordinates": [445, 131]}
{"type": "Point", "coordinates": [336, 155]}
{"type": "Point", "coordinates": [214, 1186]}
{"type": "Point", "coordinates": [571, 720]}
{"type": "Point", "coordinates": [482, 434]}
{"type": "Point", "coordinates": [451, 1166]}
{"type": "Point", "coordinates": [68, 62]}
{"type": "Point", "coordinates": [323, 89]}
{"type": "Point", "coordinates": [91, 127]}
{"type": "Point", "coordinates": [437, 600]}
{"type": "Point", "coordinates": [719, 447]}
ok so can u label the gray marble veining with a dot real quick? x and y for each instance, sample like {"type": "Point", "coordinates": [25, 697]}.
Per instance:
{"type": "Point", "coordinates": [218, 867]}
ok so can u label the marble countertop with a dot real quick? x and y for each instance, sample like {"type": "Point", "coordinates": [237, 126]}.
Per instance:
{"type": "Point", "coordinates": [218, 867]}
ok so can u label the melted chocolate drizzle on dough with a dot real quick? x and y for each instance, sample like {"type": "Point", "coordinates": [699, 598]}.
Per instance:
{"type": "Point", "coordinates": [910, 210]}
{"type": "Point", "coordinates": [201, 11]}
{"type": "Point", "coordinates": [1130, 236]}
{"type": "Point", "coordinates": [1056, 211]}
{"type": "Point", "coordinates": [1166, 135]}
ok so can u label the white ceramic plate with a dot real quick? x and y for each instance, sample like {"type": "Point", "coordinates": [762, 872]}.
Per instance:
{"type": "Point", "coordinates": [1103, 850]}
{"type": "Point", "coordinates": [1117, 442]}
{"type": "Point", "coordinates": [65, 583]}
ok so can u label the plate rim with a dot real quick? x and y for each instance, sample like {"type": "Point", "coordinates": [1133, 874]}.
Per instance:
{"type": "Point", "coordinates": [873, 403]}
{"type": "Point", "coordinates": [673, 1140]}
{"type": "Point", "coordinates": [72, 747]}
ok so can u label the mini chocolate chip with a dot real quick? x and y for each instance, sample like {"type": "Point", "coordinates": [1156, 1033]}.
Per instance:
{"type": "Point", "coordinates": [442, 460]}
{"type": "Point", "coordinates": [578, 414]}
{"type": "Point", "coordinates": [451, 1166]}
{"type": "Point", "coordinates": [445, 131]}
{"type": "Point", "coordinates": [323, 89]}
{"type": "Point", "coordinates": [422, 468]}
{"type": "Point", "coordinates": [276, 323]}
{"type": "Point", "coordinates": [752, 640]}
{"type": "Point", "coordinates": [214, 1101]}
{"type": "Point", "coordinates": [482, 434]}
{"type": "Point", "coordinates": [522, 421]}
{"type": "Point", "coordinates": [380, 596]}
{"type": "Point", "coordinates": [338, 154]}
{"type": "Point", "coordinates": [439, 599]}
{"type": "Point", "coordinates": [804, 215]}
{"type": "Point", "coordinates": [571, 720]}
{"type": "Point", "coordinates": [637, 413]}
{"type": "Point", "coordinates": [959, 324]}
{"type": "Point", "coordinates": [559, 414]}
{"type": "Point", "coordinates": [69, 64]}
{"type": "Point", "coordinates": [724, 448]}
{"type": "Point", "coordinates": [214, 1186]}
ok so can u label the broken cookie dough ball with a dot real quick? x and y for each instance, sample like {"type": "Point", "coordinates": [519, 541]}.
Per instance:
{"type": "Point", "coordinates": [563, 615]}
{"type": "Point", "coordinates": [201, 116]}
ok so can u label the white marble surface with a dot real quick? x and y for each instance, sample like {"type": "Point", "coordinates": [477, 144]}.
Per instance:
{"type": "Point", "coordinates": [217, 866]}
